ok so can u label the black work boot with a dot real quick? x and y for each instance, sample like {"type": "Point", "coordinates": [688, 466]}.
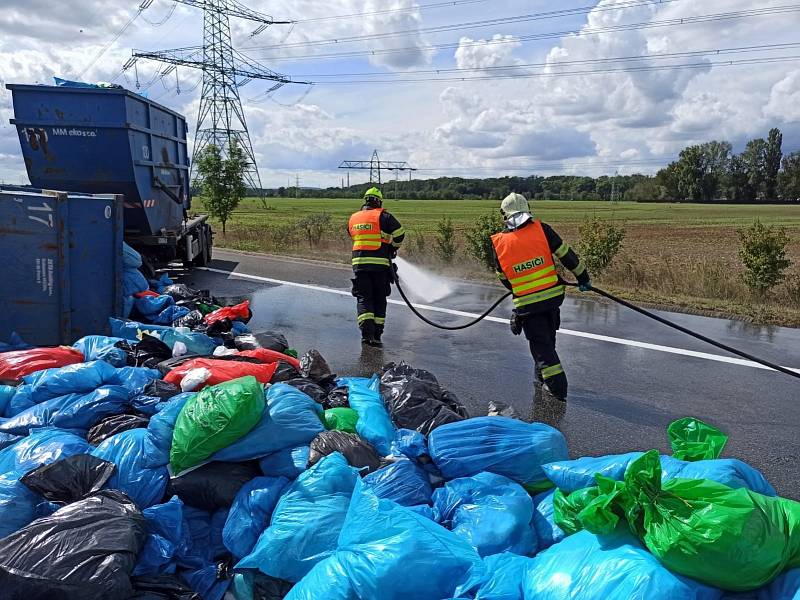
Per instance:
{"type": "Point", "coordinates": [367, 332]}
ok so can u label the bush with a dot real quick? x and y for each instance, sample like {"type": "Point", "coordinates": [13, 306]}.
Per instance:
{"type": "Point", "coordinates": [315, 226]}
{"type": "Point", "coordinates": [763, 254]}
{"type": "Point", "coordinates": [479, 238]}
{"type": "Point", "coordinates": [445, 239]}
{"type": "Point", "coordinates": [600, 242]}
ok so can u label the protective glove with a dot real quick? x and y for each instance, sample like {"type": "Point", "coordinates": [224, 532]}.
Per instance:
{"type": "Point", "coordinates": [516, 324]}
{"type": "Point", "coordinates": [586, 286]}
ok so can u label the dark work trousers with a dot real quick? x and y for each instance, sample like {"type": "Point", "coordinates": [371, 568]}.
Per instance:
{"type": "Point", "coordinates": [371, 288]}
{"type": "Point", "coordinates": [540, 330]}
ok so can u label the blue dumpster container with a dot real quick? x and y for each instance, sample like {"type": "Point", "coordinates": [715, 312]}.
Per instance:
{"type": "Point", "coordinates": [107, 141]}
{"type": "Point", "coordinates": [61, 267]}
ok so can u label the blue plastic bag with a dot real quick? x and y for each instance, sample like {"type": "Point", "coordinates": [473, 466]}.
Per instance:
{"type": "Point", "coordinates": [389, 552]}
{"type": "Point", "coordinates": [41, 447]}
{"type": "Point", "coordinates": [410, 443]}
{"type": "Point", "coordinates": [167, 537]}
{"type": "Point", "coordinates": [131, 259]}
{"type": "Point", "coordinates": [544, 522]}
{"type": "Point", "coordinates": [402, 481]}
{"type": "Point", "coordinates": [101, 347]}
{"type": "Point", "coordinates": [785, 587]}
{"type": "Point", "coordinates": [158, 442]}
{"type": "Point", "coordinates": [152, 305]}
{"type": "Point", "coordinates": [127, 306]}
{"type": "Point", "coordinates": [205, 537]}
{"type": "Point", "coordinates": [144, 485]}
{"type": "Point", "coordinates": [250, 513]}
{"type": "Point", "coordinates": [159, 284]}
{"type": "Point", "coordinates": [6, 394]}
{"type": "Point", "coordinates": [135, 379]}
{"type": "Point", "coordinates": [20, 401]}
{"type": "Point", "coordinates": [499, 445]}
{"type": "Point", "coordinates": [17, 503]}
{"type": "Point", "coordinates": [288, 463]}
{"type": "Point", "coordinates": [615, 567]}
{"type": "Point", "coordinates": [306, 521]}
{"type": "Point", "coordinates": [573, 475]}
{"type": "Point", "coordinates": [133, 282]}
{"type": "Point", "coordinates": [374, 424]}
{"type": "Point", "coordinates": [196, 343]}
{"type": "Point", "coordinates": [491, 512]}
{"type": "Point", "coordinates": [79, 378]}
{"type": "Point", "coordinates": [132, 330]}
{"type": "Point", "coordinates": [205, 582]}
{"type": "Point", "coordinates": [15, 342]}
{"type": "Point", "coordinates": [169, 314]}
{"type": "Point", "coordinates": [7, 439]}
{"type": "Point", "coordinates": [73, 411]}
{"type": "Point", "coordinates": [291, 418]}
{"type": "Point", "coordinates": [500, 579]}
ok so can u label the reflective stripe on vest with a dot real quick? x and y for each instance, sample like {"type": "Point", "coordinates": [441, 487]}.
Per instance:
{"type": "Point", "coordinates": [527, 262]}
{"type": "Point", "coordinates": [365, 229]}
{"type": "Point", "coordinates": [371, 260]}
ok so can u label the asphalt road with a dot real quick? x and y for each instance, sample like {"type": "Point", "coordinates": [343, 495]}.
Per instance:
{"type": "Point", "coordinates": [623, 391]}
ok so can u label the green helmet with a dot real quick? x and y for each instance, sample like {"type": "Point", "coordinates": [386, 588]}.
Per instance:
{"type": "Point", "coordinates": [374, 192]}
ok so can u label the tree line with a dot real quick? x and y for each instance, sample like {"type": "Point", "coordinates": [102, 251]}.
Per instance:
{"type": "Point", "coordinates": [703, 173]}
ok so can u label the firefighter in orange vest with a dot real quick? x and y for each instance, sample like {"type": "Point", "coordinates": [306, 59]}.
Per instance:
{"type": "Point", "coordinates": [524, 263]}
{"type": "Point", "coordinates": [376, 237]}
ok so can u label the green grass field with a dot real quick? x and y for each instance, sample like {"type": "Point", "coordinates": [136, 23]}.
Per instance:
{"type": "Point", "coordinates": [422, 215]}
{"type": "Point", "coordinates": [676, 255]}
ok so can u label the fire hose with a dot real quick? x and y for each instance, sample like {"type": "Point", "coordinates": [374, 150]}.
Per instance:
{"type": "Point", "coordinates": [613, 298]}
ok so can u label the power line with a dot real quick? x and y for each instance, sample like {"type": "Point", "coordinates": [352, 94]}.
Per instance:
{"type": "Point", "coordinates": [583, 32]}
{"type": "Point", "coordinates": [142, 7]}
{"type": "Point", "coordinates": [163, 19]}
{"type": "Point", "coordinates": [386, 11]}
{"type": "Point", "coordinates": [553, 14]}
{"type": "Point", "coordinates": [646, 68]}
{"type": "Point", "coordinates": [663, 56]}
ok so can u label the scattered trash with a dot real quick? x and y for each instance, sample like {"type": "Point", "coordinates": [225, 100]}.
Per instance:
{"type": "Point", "coordinates": [185, 457]}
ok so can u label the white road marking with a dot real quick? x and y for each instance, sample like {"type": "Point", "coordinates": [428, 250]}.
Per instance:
{"type": "Point", "coordinates": [459, 313]}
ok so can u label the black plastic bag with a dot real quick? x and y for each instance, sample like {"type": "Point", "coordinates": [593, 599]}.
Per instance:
{"type": "Point", "coordinates": [158, 388]}
{"type": "Point", "coordinates": [358, 453]}
{"type": "Point", "coordinates": [113, 425]}
{"type": "Point", "coordinates": [180, 291]}
{"type": "Point", "coordinates": [146, 353]}
{"type": "Point", "coordinates": [272, 340]}
{"type": "Point", "coordinates": [316, 392]}
{"type": "Point", "coordinates": [83, 551]}
{"type": "Point", "coordinates": [314, 366]}
{"type": "Point", "coordinates": [219, 327]}
{"type": "Point", "coordinates": [246, 342]}
{"type": "Point", "coordinates": [69, 479]}
{"type": "Point", "coordinates": [193, 320]}
{"type": "Point", "coordinates": [269, 588]}
{"type": "Point", "coordinates": [338, 397]}
{"type": "Point", "coordinates": [212, 486]}
{"type": "Point", "coordinates": [284, 372]}
{"type": "Point", "coordinates": [416, 400]}
{"type": "Point", "coordinates": [162, 587]}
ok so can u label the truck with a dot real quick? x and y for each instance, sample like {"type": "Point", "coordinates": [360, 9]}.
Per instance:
{"type": "Point", "coordinates": [91, 139]}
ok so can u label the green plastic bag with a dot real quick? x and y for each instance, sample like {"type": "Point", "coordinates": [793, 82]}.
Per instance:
{"type": "Point", "coordinates": [692, 440]}
{"type": "Point", "coordinates": [213, 419]}
{"type": "Point", "coordinates": [735, 540]}
{"type": "Point", "coordinates": [341, 419]}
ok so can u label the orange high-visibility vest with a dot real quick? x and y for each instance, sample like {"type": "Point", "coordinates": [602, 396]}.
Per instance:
{"type": "Point", "coordinates": [365, 229]}
{"type": "Point", "coordinates": [527, 262]}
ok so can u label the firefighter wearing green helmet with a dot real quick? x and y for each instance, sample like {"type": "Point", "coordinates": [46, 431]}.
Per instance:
{"type": "Point", "coordinates": [376, 236]}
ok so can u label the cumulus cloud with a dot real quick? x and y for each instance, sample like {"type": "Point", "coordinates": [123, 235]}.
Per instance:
{"type": "Point", "coordinates": [483, 54]}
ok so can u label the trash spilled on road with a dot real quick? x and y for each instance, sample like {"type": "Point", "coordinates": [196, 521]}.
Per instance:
{"type": "Point", "coordinates": [187, 457]}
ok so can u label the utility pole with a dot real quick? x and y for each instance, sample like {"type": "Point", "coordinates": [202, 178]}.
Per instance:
{"type": "Point", "coordinates": [297, 185]}
{"type": "Point", "coordinates": [614, 187]}
{"type": "Point", "coordinates": [221, 119]}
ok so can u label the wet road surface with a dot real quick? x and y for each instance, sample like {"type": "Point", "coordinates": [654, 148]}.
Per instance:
{"type": "Point", "coordinates": [622, 397]}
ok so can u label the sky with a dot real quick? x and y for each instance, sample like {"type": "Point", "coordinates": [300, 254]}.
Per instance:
{"type": "Point", "coordinates": [549, 93]}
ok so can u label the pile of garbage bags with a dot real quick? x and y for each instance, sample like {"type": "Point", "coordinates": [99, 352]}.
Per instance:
{"type": "Point", "coordinates": [232, 469]}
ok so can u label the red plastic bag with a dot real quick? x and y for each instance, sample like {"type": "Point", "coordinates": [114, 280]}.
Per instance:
{"type": "Point", "coordinates": [146, 293]}
{"type": "Point", "coordinates": [239, 312]}
{"type": "Point", "coordinates": [270, 356]}
{"type": "Point", "coordinates": [222, 370]}
{"type": "Point", "coordinates": [17, 364]}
